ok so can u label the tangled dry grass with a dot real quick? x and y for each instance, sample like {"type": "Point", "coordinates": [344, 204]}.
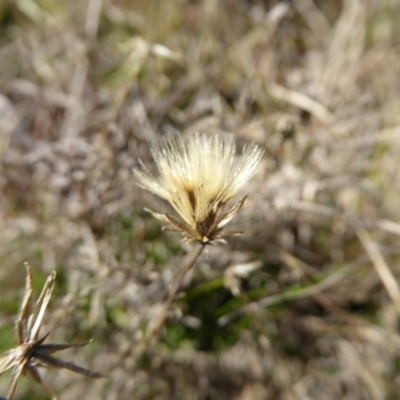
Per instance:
{"type": "Point", "coordinates": [304, 305]}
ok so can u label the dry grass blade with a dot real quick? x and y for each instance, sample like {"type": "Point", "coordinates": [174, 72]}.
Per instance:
{"type": "Point", "coordinates": [302, 101]}
{"type": "Point", "coordinates": [35, 320]}
{"type": "Point", "coordinates": [30, 352]}
{"type": "Point", "coordinates": [308, 291]}
{"type": "Point", "coordinates": [381, 267]}
{"type": "Point", "coordinates": [23, 316]}
{"type": "Point", "coordinates": [6, 361]}
{"type": "Point", "coordinates": [17, 372]}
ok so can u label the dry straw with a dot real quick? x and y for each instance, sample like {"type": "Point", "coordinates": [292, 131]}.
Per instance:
{"type": "Point", "coordinates": [31, 352]}
{"type": "Point", "coordinates": [198, 177]}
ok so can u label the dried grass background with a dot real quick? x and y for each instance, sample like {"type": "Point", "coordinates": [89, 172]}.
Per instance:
{"type": "Point", "coordinates": [306, 304]}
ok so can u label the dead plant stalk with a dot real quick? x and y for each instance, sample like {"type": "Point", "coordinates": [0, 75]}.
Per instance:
{"type": "Point", "coordinates": [159, 323]}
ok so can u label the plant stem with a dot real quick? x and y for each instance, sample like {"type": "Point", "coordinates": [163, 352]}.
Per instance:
{"type": "Point", "coordinates": [156, 328]}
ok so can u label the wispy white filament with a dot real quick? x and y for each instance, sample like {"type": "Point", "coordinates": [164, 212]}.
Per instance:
{"type": "Point", "coordinates": [199, 174]}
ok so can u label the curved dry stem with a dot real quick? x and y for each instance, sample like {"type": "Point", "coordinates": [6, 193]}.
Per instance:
{"type": "Point", "coordinates": [156, 328]}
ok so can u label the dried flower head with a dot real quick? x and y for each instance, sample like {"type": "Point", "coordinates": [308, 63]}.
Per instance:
{"type": "Point", "coordinates": [31, 352]}
{"type": "Point", "coordinates": [198, 177]}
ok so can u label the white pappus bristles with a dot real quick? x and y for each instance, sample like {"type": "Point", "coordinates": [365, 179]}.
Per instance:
{"type": "Point", "coordinates": [197, 177]}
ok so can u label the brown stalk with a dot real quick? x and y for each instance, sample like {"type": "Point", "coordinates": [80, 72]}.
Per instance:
{"type": "Point", "coordinates": [155, 330]}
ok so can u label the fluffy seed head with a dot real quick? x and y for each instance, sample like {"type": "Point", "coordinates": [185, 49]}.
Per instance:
{"type": "Point", "coordinates": [198, 177]}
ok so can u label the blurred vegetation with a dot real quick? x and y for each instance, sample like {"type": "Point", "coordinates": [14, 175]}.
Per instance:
{"type": "Point", "coordinates": [305, 304]}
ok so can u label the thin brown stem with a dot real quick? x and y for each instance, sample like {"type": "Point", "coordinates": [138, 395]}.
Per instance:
{"type": "Point", "coordinates": [156, 328]}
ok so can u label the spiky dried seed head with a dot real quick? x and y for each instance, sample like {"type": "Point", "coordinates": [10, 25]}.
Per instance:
{"type": "Point", "coordinates": [198, 177]}
{"type": "Point", "coordinates": [31, 351]}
